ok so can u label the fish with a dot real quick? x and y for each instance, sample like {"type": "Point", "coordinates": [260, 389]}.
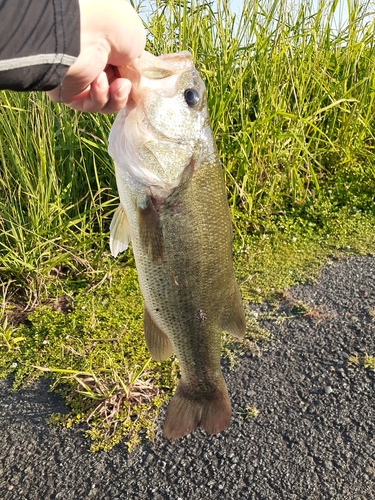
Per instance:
{"type": "Point", "coordinates": [174, 210]}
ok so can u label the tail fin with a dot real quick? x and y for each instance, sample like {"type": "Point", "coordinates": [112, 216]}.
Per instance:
{"type": "Point", "coordinates": [187, 411]}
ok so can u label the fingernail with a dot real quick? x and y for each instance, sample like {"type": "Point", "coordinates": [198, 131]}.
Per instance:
{"type": "Point", "coordinates": [102, 82]}
{"type": "Point", "coordinates": [123, 91]}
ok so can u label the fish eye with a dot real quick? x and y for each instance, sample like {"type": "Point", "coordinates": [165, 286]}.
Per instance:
{"type": "Point", "coordinates": [191, 97]}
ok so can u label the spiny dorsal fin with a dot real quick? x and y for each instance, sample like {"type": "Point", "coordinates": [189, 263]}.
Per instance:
{"type": "Point", "coordinates": [233, 317]}
{"type": "Point", "coordinates": [119, 232]}
{"type": "Point", "coordinates": [157, 341]}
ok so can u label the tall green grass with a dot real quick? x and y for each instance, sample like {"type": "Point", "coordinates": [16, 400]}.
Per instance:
{"type": "Point", "coordinates": [56, 190]}
{"type": "Point", "coordinates": [291, 100]}
{"type": "Point", "coordinates": [292, 108]}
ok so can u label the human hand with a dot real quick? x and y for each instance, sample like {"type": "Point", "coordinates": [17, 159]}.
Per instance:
{"type": "Point", "coordinates": [112, 35]}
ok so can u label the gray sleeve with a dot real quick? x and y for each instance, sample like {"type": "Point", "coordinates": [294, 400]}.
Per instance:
{"type": "Point", "coordinates": [39, 40]}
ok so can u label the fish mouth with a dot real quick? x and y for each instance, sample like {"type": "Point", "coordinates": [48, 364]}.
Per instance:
{"type": "Point", "coordinates": [156, 68]}
{"type": "Point", "coordinates": [161, 133]}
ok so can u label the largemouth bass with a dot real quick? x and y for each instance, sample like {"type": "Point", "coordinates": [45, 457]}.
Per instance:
{"type": "Point", "coordinates": [174, 209]}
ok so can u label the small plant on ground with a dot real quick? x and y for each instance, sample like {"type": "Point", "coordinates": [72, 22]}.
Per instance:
{"type": "Point", "coordinates": [249, 412]}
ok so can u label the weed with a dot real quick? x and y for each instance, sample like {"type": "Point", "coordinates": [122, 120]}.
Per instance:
{"type": "Point", "coordinates": [96, 355]}
{"type": "Point", "coordinates": [249, 412]}
{"type": "Point", "coordinates": [354, 359]}
{"type": "Point", "coordinates": [9, 339]}
{"type": "Point", "coordinates": [369, 361]}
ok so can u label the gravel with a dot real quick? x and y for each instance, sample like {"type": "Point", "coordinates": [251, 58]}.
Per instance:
{"type": "Point", "coordinates": [312, 439]}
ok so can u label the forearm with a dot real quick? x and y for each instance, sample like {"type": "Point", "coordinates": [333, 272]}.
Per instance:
{"type": "Point", "coordinates": [40, 40]}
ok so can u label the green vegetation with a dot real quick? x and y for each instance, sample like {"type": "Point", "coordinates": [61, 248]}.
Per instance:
{"type": "Point", "coordinates": [292, 108]}
{"type": "Point", "coordinates": [97, 356]}
{"type": "Point", "coordinates": [368, 362]}
{"type": "Point", "coordinates": [248, 412]}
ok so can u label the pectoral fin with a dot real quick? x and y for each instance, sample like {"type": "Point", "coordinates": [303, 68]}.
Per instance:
{"type": "Point", "coordinates": [157, 342]}
{"type": "Point", "coordinates": [150, 231]}
{"type": "Point", "coordinates": [233, 317]}
{"type": "Point", "coordinates": [119, 232]}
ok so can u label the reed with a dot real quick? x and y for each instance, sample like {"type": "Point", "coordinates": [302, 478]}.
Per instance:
{"type": "Point", "coordinates": [292, 109]}
{"type": "Point", "coordinates": [291, 99]}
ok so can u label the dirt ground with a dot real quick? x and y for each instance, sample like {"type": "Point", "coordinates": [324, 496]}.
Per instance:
{"type": "Point", "coordinates": [313, 438]}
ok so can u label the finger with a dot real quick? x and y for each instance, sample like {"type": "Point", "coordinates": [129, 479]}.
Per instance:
{"type": "Point", "coordinates": [99, 94]}
{"type": "Point", "coordinates": [96, 92]}
{"type": "Point", "coordinates": [94, 98]}
{"type": "Point", "coordinates": [54, 94]}
{"type": "Point", "coordinates": [115, 99]}
{"type": "Point", "coordinates": [118, 95]}
{"type": "Point", "coordinates": [111, 72]}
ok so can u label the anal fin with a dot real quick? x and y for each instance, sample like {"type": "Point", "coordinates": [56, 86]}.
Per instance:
{"type": "Point", "coordinates": [157, 341]}
{"type": "Point", "coordinates": [119, 232]}
{"type": "Point", "coordinates": [233, 317]}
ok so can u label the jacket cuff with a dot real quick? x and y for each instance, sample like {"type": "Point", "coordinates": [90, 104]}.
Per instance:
{"type": "Point", "coordinates": [40, 40]}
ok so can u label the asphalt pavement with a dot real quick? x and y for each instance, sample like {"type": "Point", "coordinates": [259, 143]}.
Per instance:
{"type": "Point", "coordinates": [313, 437]}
